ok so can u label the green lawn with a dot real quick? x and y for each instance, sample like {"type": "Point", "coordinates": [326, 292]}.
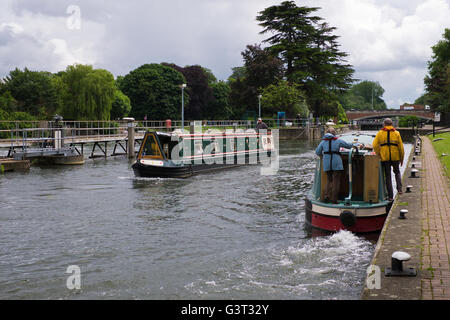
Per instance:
{"type": "Point", "coordinates": [442, 146]}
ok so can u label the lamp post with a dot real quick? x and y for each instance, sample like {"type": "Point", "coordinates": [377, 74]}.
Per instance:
{"type": "Point", "coordinates": [372, 95]}
{"type": "Point", "coordinates": [182, 105]}
{"type": "Point", "coordinates": [259, 103]}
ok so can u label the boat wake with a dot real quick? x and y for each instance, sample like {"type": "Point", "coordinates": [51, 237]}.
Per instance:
{"type": "Point", "coordinates": [314, 268]}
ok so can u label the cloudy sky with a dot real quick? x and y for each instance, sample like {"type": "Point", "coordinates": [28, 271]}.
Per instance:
{"type": "Point", "coordinates": [387, 41]}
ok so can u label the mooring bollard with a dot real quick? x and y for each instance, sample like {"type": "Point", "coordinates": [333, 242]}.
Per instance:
{"type": "Point", "coordinates": [130, 146]}
{"type": "Point", "coordinates": [402, 213]}
{"type": "Point", "coordinates": [413, 173]}
{"type": "Point", "coordinates": [408, 188]}
{"type": "Point", "coordinates": [396, 270]}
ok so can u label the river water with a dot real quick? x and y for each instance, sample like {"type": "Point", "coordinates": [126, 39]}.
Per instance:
{"type": "Point", "coordinates": [233, 234]}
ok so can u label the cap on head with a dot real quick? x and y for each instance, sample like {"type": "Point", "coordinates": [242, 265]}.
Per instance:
{"type": "Point", "coordinates": [387, 122]}
{"type": "Point", "coordinates": [259, 119]}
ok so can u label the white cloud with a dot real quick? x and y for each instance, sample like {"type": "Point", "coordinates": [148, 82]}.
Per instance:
{"type": "Point", "coordinates": [44, 42]}
{"type": "Point", "coordinates": [387, 41]}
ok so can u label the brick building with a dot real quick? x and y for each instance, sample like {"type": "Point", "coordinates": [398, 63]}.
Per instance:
{"type": "Point", "coordinates": [417, 107]}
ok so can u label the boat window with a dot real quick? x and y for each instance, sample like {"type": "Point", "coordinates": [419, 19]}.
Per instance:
{"type": "Point", "coordinates": [167, 145]}
{"type": "Point", "coordinates": [166, 150]}
{"type": "Point", "coordinates": [151, 148]}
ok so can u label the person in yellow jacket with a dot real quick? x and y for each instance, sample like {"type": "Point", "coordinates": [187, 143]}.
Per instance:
{"type": "Point", "coordinates": [388, 146]}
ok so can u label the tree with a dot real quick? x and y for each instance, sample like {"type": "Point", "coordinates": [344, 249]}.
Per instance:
{"type": "Point", "coordinates": [34, 92]}
{"type": "Point", "coordinates": [365, 95]}
{"type": "Point", "coordinates": [198, 89]}
{"type": "Point", "coordinates": [7, 102]}
{"type": "Point", "coordinates": [283, 97]}
{"type": "Point", "coordinates": [88, 93]}
{"type": "Point", "coordinates": [342, 116]}
{"type": "Point", "coordinates": [219, 107]}
{"type": "Point", "coordinates": [408, 121]}
{"type": "Point", "coordinates": [309, 51]}
{"type": "Point", "coordinates": [211, 78]}
{"type": "Point", "coordinates": [423, 100]}
{"type": "Point", "coordinates": [154, 90]}
{"type": "Point", "coordinates": [121, 105]}
{"type": "Point", "coordinates": [238, 97]}
{"type": "Point", "coordinates": [437, 82]}
{"type": "Point", "coordinates": [238, 73]}
{"type": "Point", "coordinates": [260, 70]}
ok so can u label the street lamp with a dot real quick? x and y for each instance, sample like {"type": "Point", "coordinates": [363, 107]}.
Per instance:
{"type": "Point", "coordinates": [259, 102]}
{"type": "Point", "coordinates": [372, 95]}
{"type": "Point", "coordinates": [182, 105]}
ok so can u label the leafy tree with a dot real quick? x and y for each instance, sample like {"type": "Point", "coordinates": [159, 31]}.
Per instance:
{"type": "Point", "coordinates": [88, 93]}
{"type": "Point", "coordinates": [121, 105]}
{"type": "Point", "coordinates": [408, 121]}
{"type": "Point", "coordinates": [283, 97]}
{"type": "Point", "coordinates": [351, 101]}
{"type": "Point", "coordinates": [34, 92]}
{"type": "Point", "coordinates": [309, 51]}
{"type": "Point", "coordinates": [219, 107]}
{"type": "Point", "coordinates": [238, 97]}
{"type": "Point", "coordinates": [238, 73]}
{"type": "Point", "coordinates": [14, 116]}
{"type": "Point", "coordinates": [200, 93]}
{"type": "Point", "coordinates": [327, 107]}
{"type": "Point", "coordinates": [423, 100]}
{"type": "Point", "coordinates": [365, 95]}
{"type": "Point", "coordinates": [3, 115]}
{"type": "Point", "coordinates": [154, 90]}
{"type": "Point", "coordinates": [7, 102]}
{"type": "Point", "coordinates": [437, 82]}
{"type": "Point", "coordinates": [260, 70]}
{"type": "Point", "coordinates": [211, 78]}
{"type": "Point", "coordinates": [342, 116]}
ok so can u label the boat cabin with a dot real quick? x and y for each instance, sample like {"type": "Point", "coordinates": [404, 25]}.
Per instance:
{"type": "Point", "coordinates": [362, 181]}
{"type": "Point", "coordinates": [200, 152]}
{"type": "Point", "coordinates": [361, 205]}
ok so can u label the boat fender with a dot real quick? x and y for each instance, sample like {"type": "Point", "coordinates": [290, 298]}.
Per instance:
{"type": "Point", "coordinates": [348, 218]}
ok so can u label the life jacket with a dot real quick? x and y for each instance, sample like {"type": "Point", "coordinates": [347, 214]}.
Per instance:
{"type": "Point", "coordinates": [330, 152]}
{"type": "Point", "coordinates": [388, 141]}
{"type": "Point", "coordinates": [388, 144]}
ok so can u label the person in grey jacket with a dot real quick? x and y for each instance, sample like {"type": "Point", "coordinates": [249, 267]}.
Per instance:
{"type": "Point", "coordinates": [332, 162]}
{"type": "Point", "coordinates": [261, 125]}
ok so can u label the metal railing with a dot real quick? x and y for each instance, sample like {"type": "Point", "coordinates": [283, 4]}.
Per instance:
{"type": "Point", "coordinates": [16, 134]}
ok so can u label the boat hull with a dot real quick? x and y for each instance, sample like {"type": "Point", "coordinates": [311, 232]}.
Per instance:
{"type": "Point", "coordinates": [148, 171]}
{"type": "Point", "coordinates": [330, 218]}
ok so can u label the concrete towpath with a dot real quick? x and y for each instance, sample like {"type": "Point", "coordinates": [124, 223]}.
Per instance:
{"type": "Point", "coordinates": [424, 234]}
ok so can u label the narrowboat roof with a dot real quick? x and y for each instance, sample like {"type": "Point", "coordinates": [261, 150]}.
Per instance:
{"type": "Point", "coordinates": [364, 138]}
{"type": "Point", "coordinates": [160, 133]}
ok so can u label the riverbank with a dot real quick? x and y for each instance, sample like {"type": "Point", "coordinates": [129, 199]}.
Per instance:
{"type": "Point", "coordinates": [424, 235]}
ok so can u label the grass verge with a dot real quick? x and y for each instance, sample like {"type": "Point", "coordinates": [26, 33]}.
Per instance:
{"type": "Point", "coordinates": [442, 147]}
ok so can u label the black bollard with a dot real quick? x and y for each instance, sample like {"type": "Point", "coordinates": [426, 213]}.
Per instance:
{"type": "Point", "coordinates": [413, 173]}
{"type": "Point", "coordinates": [402, 213]}
{"type": "Point", "coordinates": [396, 269]}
